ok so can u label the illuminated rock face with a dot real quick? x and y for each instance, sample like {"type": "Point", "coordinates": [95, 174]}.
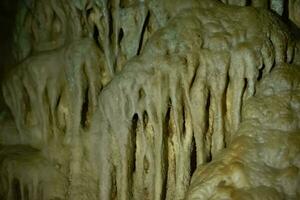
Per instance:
{"type": "Point", "coordinates": [151, 100]}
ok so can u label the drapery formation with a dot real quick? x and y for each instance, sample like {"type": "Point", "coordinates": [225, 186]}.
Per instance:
{"type": "Point", "coordinates": [129, 100]}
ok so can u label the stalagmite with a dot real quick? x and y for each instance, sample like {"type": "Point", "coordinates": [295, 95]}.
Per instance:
{"type": "Point", "coordinates": [132, 99]}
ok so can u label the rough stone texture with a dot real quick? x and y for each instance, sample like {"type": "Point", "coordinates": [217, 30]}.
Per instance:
{"type": "Point", "coordinates": [262, 161]}
{"type": "Point", "coordinates": [128, 99]}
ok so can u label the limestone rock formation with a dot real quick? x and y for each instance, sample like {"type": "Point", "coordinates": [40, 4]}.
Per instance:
{"type": "Point", "coordinates": [172, 99]}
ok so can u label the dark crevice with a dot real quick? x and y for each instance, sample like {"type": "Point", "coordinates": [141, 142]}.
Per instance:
{"type": "Point", "coordinates": [285, 14]}
{"type": "Point", "coordinates": [269, 4]}
{"type": "Point", "coordinates": [167, 119]}
{"type": "Point", "coordinates": [58, 101]}
{"type": "Point", "coordinates": [134, 123]}
{"type": "Point", "coordinates": [146, 22]}
{"type": "Point", "coordinates": [207, 106]}
{"type": "Point", "coordinates": [260, 73]}
{"type": "Point", "coordinates": [193, 79]}
{"type": "Point", "coordinates": [209, 156]}
{"type": "Point", "coordinates": [273, 65]}
{"type": "Point", "coordinates": [207, 141]}
{"type": "Point", "coordinates": [9, 12]}
{"type": "Point", "coordinates": [145, 118]}
{"type": "Point", "coordinates": [120, 36]}
{"type": "Point", "coordinates": [132, 153]}
{"type": "Point", "coordinates": [183, 118]}
{"type": "Point", "coordinates": [88, 12]}
{"type": "Point", "coordinates": [193, 157]}
{"type": "Point", "coordinates": [16, 189]}
{"type": "Point", "coordinates": [226, 93]}
{"type": "Point", "coordinates": [85, 109]}
{"type": "Point", "coordinates": [194, 76]}
{"type": "Point", "coordinates": [96, 37]}
{"type": "Point", "coordinates": [248, 2]}
{"type": "Point", "coordinates": [224, 109]}
{"type": "Point", "coordinates": [110, 21]}
{"type": "Point", "coordinates": [165, 153]}
{"type": "Point", "coordinates": [245, 86]}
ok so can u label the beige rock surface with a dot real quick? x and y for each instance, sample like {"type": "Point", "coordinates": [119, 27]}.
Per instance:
{"type": "Point", "coordinates": [262, 161]}
{"type": "Point", "coordinates": [128, 99]}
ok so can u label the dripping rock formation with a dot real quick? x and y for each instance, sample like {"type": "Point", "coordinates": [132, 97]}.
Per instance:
{"type": "Point", "coordinates": [150, 100]}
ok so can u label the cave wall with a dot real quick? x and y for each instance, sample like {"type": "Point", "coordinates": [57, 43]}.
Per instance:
{"type": "Point", "coordinates": [125, 99]}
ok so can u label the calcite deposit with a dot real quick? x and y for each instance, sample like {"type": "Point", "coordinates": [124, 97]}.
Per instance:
{"type": "Point", "coordinates": [152, 100]}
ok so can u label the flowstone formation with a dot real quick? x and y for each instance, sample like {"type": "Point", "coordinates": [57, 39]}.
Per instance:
{"type": "Point", "coordinates": [128, 99]}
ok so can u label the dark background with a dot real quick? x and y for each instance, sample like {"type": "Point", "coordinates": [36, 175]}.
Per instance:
{"type": "Point", "coordinates": [8, 10]}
